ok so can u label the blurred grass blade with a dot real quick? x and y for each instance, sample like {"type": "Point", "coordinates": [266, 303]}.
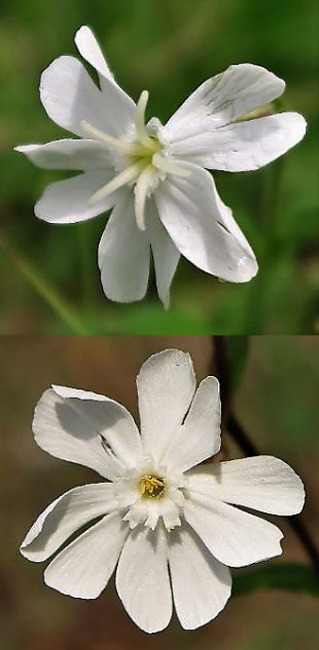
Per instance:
{"type": "Point", "coordinates": [291, 577]}
{"type": "Point", "coordinates": [48, 293]}
{"type": "Point", "coordinates": [87, 264]}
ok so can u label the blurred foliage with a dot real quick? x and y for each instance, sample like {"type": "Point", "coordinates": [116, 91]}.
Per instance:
{"type": "Point", "coordinates": [283, 407]}
{"type": "Point", "coordinates": [168, 47]}
{"type": "Point", "coordinates": [291, 577]}
{"type": "Point", "coordinates": [237, 356]}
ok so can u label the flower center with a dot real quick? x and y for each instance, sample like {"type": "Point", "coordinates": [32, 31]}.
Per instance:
{"type": "Point", "coordinates": [151, 486]}
{"type": "Point", "coordinates": [148, 493]}
{"type": "Point", "coordinates": [145, 161]}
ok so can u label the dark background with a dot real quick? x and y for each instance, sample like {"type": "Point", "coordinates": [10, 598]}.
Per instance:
{"type": "Point", "coordinates": [276, 401]}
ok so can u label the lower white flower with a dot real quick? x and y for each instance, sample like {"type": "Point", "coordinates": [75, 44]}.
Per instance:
{"type": "Point", "coordinates": [165, 523]}
{"type": "Point", "coordinates": [153, 176]}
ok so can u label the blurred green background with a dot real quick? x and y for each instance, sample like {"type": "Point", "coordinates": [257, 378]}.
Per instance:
{"type": "Point", "coordinates": [168, 47]}
{"type": "Point", "coordinates": [276, 401]}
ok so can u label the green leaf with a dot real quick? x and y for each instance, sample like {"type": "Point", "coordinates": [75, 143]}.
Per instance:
{"type": "Point", "coordinates": [291, 577]}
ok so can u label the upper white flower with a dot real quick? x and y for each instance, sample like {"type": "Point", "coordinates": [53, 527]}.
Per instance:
{"type": "Point", "coordinates": [166, 524]}
{"type": "Point", "coordinates": [152, 175]}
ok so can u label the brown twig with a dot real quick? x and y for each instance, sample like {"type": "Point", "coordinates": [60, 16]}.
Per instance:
{"type": "Point", "coordinates": [241, 437]}
{"type": "Point", "coordinates": [220, 362]}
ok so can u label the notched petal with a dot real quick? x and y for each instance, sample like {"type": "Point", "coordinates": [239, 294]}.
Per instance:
{"type": "Point", "coordinates": [64, 517]}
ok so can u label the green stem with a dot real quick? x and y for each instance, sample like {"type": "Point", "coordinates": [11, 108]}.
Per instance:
{"type": "Point", "coordinates": [270, 201]}
{"type": "Point", "coordinates": [261, 286]}
{"type": "Point", "coordinates": [48, 293]}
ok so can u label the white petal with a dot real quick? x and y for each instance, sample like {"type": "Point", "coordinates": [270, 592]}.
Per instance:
{"type": "Point", "coordinates": [109, 419]}
{"type": "Point", "coordinates": [223, 99]}
{"type": "Point", "coordinates": [70, 97]}
{"type": "Point", "coordinates": [166, 384]}
{"type": "Point", "coordinates": [263, 482]}
{"type": "Point", "coordinates": [142, 579]}
{"type": "Point", "coordinates": [243, 146]}
{"type": "Point", "coordinates": [199, 437]}
{"type": "Point", "coordinates": [91, 51]}
{"type": "Point", "coordinates": [67, 201]}
{"type": "Point", "coordinates": [202, 228]}
{"type": "Point", "coordinates": [165, 254]}
{"type": "Point", "coordinates": [234, 537]}
{"type": "Point", "coordinates": [81, 154]}
{"type": "Point", "coordinates": [201, 585]}
{"type": "Point", "coordinates": [83, 568]}
{"type": "Point", "coordinates": [124, 254]}
{"type": "Point", "coordinates": [64, 517]}
{"type": "Point", "coordinates": [88, 429]}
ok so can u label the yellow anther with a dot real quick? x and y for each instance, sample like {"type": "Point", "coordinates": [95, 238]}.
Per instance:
{"type": "Point", "coordinates": [151, 486]}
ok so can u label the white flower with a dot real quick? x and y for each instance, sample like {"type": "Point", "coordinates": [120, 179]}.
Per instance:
{"type": "Point", "coordinates": [165, 523]}
{"type": "Point", "coordinates": [154, 176]}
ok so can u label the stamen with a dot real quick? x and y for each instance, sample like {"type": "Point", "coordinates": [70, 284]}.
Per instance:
{"type": "Point", "coordinates": [114, 143]}
{"type": "Point", "coordinates": [151, 486]}
{"type": "Point", "coordinates": [141, 131]}
{"type": "Point", "coordinates": [257, 113]}
{"type": "Point", "coordinates": [166, 166]}
{"type": "Point", "coordinates": [141, 188]}
{"type": "Point", "coordinates": [127, 176]}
